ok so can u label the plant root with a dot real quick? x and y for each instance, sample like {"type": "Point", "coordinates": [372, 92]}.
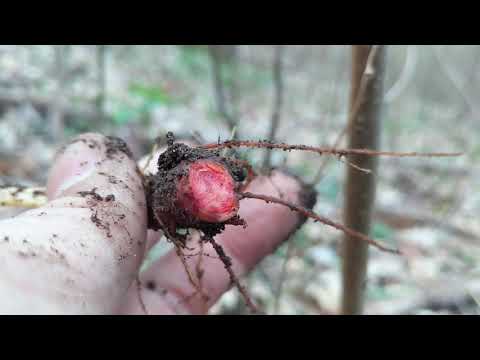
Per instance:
{"type": "Point", "coordinates": [229, 144]}
{"type": "Point", "coordinates": [227, 262]}
{"type": "Point", "coordinates": [318, 218]}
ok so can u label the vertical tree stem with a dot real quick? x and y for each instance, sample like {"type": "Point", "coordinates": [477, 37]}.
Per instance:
{"type": "Point", "coordinates": [364, 131]}
{"type": "Point", "coordinates": [101, 80]}
{"type": "Point", "coordinates": [277, 72]}
{"type": "Point", "coordinates": [57, 107]}
{"type": "Point", "coordinates": [217, 63]}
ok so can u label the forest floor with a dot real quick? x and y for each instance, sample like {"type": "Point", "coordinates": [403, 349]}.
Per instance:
{"type": "Point", "coordinates": [426, 207]}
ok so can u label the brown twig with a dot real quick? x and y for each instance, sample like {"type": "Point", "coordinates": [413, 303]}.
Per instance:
{"type": "Point", "coordinates": [277, 101]}
{"type": "Point", "coordinates": [318, 218]}
{"type": "Point", "coordinates": [323, 166]}
{"type": "Point", "coordinates": [179, 245]}
{"type": "Point", "coordinates": [227, 262]}
{"type": "Point", "coordinates": [229, 144]}
{"type": "Point", "coordinates": [219, 88]}
{"type": "Point", "coordinates": [101, 80]}
{"type": "Point", "coordinates": [182, 258]}
{"type": "Point", "coordinates": [188, 256]}
{"type": "Point", "coordinates": [284, 271]}
{"type": "Point", "coordinates": [282, 277]}
{"type": "Point", "coordinates": [56, 110]}
{"type": "Point", "coordinates": [199, 272]}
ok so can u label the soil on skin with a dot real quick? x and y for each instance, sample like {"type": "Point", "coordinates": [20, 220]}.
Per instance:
{"type": "Point", "coordinates": [116, 145]}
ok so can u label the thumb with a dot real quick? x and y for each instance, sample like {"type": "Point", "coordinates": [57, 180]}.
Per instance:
{"type": "Point", "coordinates": [99, 173]}
{"type": "Point", "coordinates": [80, 252]}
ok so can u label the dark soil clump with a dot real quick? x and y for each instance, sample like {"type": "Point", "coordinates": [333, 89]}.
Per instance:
{"type": "Point", "coordinates": [173, 165]}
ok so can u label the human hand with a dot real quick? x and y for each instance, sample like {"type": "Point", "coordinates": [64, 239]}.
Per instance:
{"type": "Point", "coordinates": [81, 252]}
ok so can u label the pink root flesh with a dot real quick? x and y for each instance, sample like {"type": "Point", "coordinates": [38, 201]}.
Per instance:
{"type": "Point", "coordinates": [208, 192]}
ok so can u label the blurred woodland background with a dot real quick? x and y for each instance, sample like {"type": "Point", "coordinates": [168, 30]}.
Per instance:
{"type": "Point", "coordinates": [298, 94]}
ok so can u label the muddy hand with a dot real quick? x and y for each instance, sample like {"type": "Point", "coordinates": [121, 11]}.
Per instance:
{"type": "Point", "coordinates": [81, 252]}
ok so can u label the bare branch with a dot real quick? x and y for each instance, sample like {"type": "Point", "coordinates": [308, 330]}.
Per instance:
{"type": "Point", "coordinates": [219, 88]}
{"type": "Point", "coordinates": [229, 144]}
{"type": "Point", "coordinates": [57, 109]}
{"type": "Point", "coordinates": [283, 277]}
{"type": "Point", "coordinates": [101, 80]}
{"type": "Point", "coordinates": [227, 262]}
{"type": "Point", "coordinates": [318, 218]}
{"type": "Point", "coordinates": [277, 100]}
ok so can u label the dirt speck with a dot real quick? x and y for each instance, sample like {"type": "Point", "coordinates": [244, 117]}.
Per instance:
{"type": "Point", "coordinates": [122, 257]}
{"type": "Point", "coordinates": [92, 193]}
{"type": "Point", "coordinates": [150, 285]}
{"type": "Point", "coordinates": [26, 255]}
{"type": "Point", "coordinates": [116, 146]}
{"type": "Point", "coordinates": [104, 226]}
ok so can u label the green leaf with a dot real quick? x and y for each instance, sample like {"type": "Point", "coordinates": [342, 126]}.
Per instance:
{"type": "Point", "coordinates": [124, 115]}
{"type": "Point", "coordinates": [150, 95]}
{"type": "Point", "coordinates": [382, 231]}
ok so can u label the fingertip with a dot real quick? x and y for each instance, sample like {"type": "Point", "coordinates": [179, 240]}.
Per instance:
{"type": "Point", "coordinates": [74, 162]}
{"type": "Point", "coordinates": [93, 160]}
{"type": "Point", "coordinates": [101, 173]}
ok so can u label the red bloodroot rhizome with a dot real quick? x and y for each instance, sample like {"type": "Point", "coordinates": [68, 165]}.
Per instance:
{"type": "Point", "coordinates": [197, 188]}
{"type": "Point", "coordinates": [194, 188]}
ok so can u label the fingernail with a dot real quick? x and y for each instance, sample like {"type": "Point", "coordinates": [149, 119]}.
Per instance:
{"type": "Point", "coordinates": [75, 164]}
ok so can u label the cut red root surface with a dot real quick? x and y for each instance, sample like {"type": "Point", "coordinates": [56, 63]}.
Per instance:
{"type": "Point", "coordinates": [208, 192]}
